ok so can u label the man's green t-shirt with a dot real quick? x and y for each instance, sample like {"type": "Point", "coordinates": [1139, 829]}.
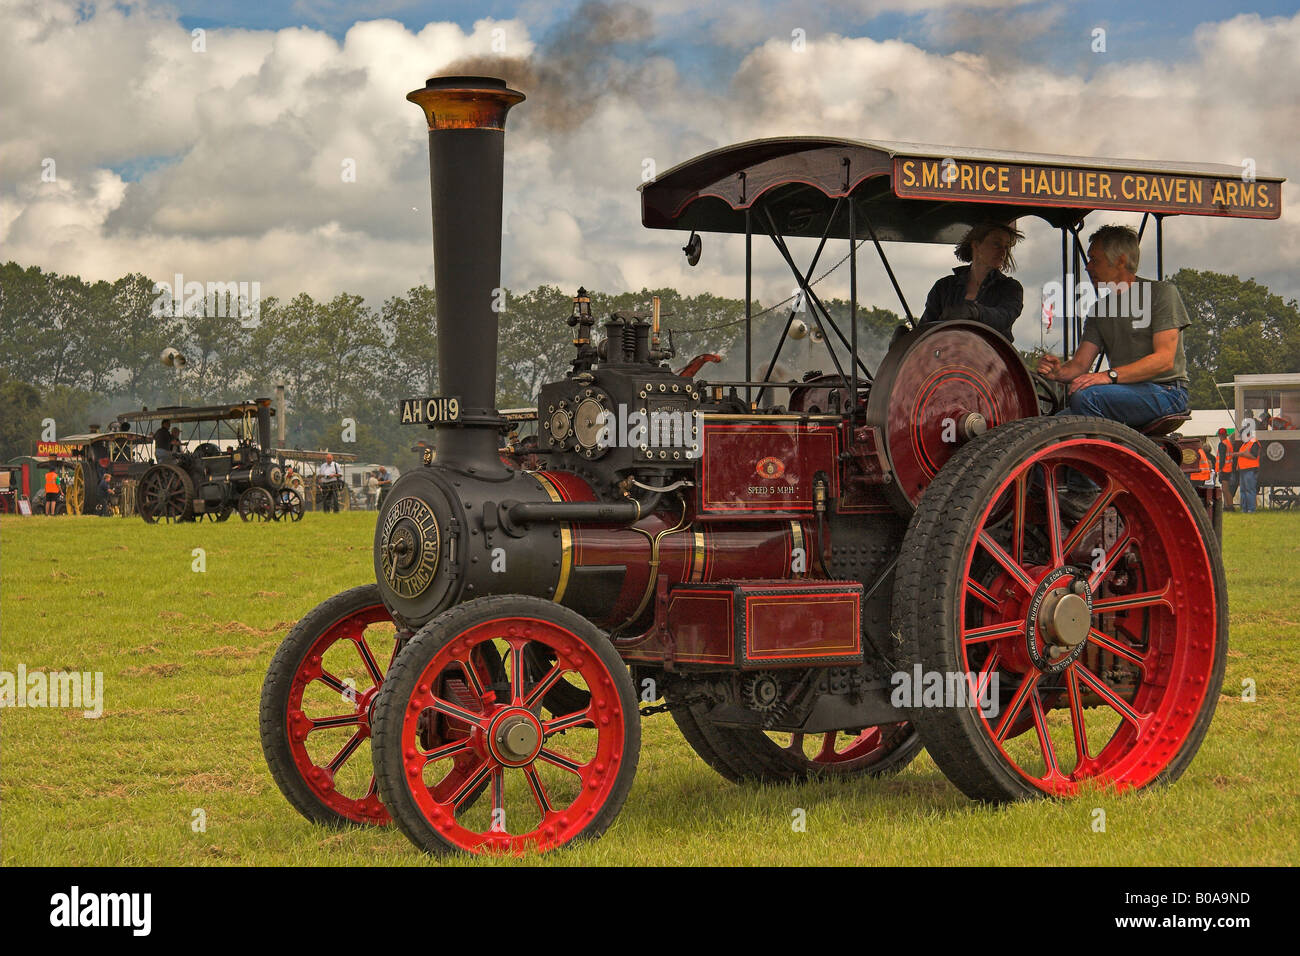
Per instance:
{"type": "Point", "coordinates": [1122, 325]}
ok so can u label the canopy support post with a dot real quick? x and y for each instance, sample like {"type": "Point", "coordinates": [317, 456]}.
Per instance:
{"type": "Point", "coordinates": [853, 310]}
{"type": "Point", "coordinates": [1079, 259]}
{"type": "Point", "coordinates": [749, 317]}
{"type": "Point", "coordinates": [1160, 246]}
{"type": "Point", "coordinates": [1067, 299]}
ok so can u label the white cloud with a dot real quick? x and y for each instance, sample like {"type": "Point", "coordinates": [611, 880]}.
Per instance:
{"type": "Point", "coordinates": [242, 148]}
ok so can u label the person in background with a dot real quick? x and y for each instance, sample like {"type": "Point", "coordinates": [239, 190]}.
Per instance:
{"type": "Point", "coordinates": [980, 291]}
{"type": "Point", "coordinates": [372, 490]}
{"type": "Point", "coordinates": [51, 490]}
{"type": "Point", "coordinates": [1247, 468]}
{"type": "Point", "coordinates": [178, 446]}
{"type": "Point", "coordinates": [330, 478]}
{"type": "Point", "coordinates": [1227, 462]}
{"type": "Point", "coordinates": [105, 506]}
{"type": "Point", "coordinates": [162, 441]}
{"type": "Point", "coordinates": [385, 483]}
{"type": "Point", "coordinates": [1204, 472]}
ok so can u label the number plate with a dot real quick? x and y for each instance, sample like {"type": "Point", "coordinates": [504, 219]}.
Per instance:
{"type": "Point", "coordinates": [437, 410]}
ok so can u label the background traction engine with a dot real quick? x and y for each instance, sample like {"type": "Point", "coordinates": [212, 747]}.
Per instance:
{"type": "Point", "coordinates": [783, 579]}
{"type": "Point", "coordinates": [207, 482]}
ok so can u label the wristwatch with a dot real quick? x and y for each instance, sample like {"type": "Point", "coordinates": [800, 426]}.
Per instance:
{"type": "Point", "coordinates": [1114, 376]}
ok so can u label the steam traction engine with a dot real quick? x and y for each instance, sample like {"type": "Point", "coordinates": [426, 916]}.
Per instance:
{"type": "Point", "coordinates": [783, 576]}
{"type": "Point", "coordinates": [207, 482]}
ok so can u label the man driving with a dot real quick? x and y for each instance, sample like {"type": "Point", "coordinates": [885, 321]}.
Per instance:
{"type": "Point", "coordinates": [1139, 324]}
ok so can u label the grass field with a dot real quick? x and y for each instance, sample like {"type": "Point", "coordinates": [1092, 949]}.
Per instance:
{"type": "Point", "coordinates": [183, 656]}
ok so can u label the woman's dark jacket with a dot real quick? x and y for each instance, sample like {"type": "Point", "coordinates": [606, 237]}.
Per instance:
{"type": "Point", "coordinates": [998, 302]}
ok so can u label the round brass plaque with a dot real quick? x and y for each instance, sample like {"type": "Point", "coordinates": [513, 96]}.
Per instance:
{"type": "Point", "coordinates": [409, 546]}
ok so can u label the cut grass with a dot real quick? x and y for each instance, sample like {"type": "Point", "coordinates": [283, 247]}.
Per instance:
{"type": "Point", "coordinates": [183, 656]}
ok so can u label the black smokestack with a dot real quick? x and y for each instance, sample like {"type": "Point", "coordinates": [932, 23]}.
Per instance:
{"type": "Point", "coordinates": [467, 118]}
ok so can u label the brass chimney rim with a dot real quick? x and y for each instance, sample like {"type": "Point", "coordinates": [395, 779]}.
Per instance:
{"type": "Point", "coordinates": [465, 102]}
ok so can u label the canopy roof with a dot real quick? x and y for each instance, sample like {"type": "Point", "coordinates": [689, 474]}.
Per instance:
{"type": "Point", "coordinates": [92, 437]}
{"type": "Point", "coordinates": [179, 414]}
{"type": "Point", "coordinates": [913, 192]}
{"type": "Point", "coordinates": [305, 454]}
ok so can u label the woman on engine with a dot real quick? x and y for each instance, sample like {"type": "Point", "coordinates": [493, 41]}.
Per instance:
{"type": "Point", "coordinates": [981, 291]}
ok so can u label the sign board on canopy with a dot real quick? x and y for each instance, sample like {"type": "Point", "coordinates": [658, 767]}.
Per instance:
{"type": "Point", "coordinates": [977, 181]}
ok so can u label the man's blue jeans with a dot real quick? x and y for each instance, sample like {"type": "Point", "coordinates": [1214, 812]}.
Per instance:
{"type": "Point", "coordinates": [1134, 405]}
{"type": "Point", "coordinates": [1249, 486]}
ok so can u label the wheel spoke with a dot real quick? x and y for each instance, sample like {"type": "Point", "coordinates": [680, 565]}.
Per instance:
{"type": "Point", "coordinates": [1108, 494]}
{"type": "Point", "coordinates": [1103, 691]}
{"type": "Point", "coordinates": [1044, 737]}
{"type": "Point", "coordinates": [578, 718]}
{"type": "Point", "coordinates": [1017, 573]}
{"type": "Point", "coordinates": [469, 788]}
{"type": "Point", "coordinates": [983, 594]}
{"type": "Point", "coordinates": [986, 673]}
{"type": "Point", "coordinates": [446, 750]}
{"type": "Point", "coordinates": [539, 790]}
{"type": "Point", "coordinates": [991, 632]}
{"type": "Point", "coordinates": [545, 684]}
{"type": "Point", "coordinates": [1109, 560]}
{"type": "Point", "coordinates": [460, 713]}
{"type": "Point", "coordinates": [559, 760]}
{"type": "Point", "coordinates": [498, 801]}
{"type": "Point", "coordinates": [471, 676]}
{"type": "Point", "coordinates": [342, 720]}
{"type": "Point", "coordinates": [516, 674]}
{"type": "Point", "coordinates": [1022, 694]}
{"type": "Point", "coordinates": [827, 751]}
{"type": "Point", "coordinates": [333, 683]}
{"type": "Point", "coordinates": [368, 659]}
{"type": "Point", "coordinates": [346, 751]}
{"type": "Point", "coordinates": [1077, 720]}
{"type": "Point", "coordinates": [1117, 648]}
{"type": "Point", "coordinates": [1053, 508]}
{"type": "Point", "coordinates": [1018, 521]}
{"type": "Point", "coordinates": [1129, 602]}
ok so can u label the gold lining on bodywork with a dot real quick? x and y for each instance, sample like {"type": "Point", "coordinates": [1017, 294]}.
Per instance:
{"type": "Point", "coordinates": [797, 542]}
{"type": "Point", "coordinates": [566, 538]}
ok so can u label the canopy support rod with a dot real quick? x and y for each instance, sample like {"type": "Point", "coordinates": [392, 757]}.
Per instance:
{"type": "Point", "coordinates": [816, 301]}
{"type": "Point", "coordinates": [804, 288]}
{"type": "Point", "coordinates": [1143, 227]}
{"type": "Point", "coordinates": [866, 221]}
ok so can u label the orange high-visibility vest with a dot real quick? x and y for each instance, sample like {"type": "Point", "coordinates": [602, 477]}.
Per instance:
{"type": "Point", "coordinates": [1226, 449]}
{"type": "Point", "coordinates": [1203, 471]}
{"type": "Point", "coordinates": [51, 483]}
{"type": "Point", "coordinates": [1248, 455]}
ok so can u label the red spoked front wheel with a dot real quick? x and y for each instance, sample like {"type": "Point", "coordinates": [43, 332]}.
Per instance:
{"type": "Point", "coordinates": [552, 777]}
{"type": "Point", "coordinates": [316, 708]}
{"type": "Point", "coordinates": [1069, 613]}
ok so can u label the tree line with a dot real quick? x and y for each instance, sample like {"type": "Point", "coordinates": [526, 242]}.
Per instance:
{"type": "Point", "coordinates": [81, 352]}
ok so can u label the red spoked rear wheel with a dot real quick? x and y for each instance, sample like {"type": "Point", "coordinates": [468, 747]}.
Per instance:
{"type": "Point", "coordinates": [316, 708]}
{"type": "Point", "coordinates": [872, 750]}
{"type": "Point", "coordinates": [1074, 590]}
{"type": "Point", "coordinates": [552, 777]}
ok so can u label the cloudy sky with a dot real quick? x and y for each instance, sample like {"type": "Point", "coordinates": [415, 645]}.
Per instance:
{"type": "Point", "coordinates": [208, 137]}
